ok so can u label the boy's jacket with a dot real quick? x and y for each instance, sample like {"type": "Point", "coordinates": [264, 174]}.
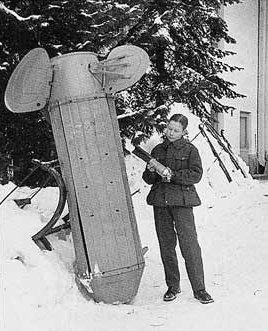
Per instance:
{"type": "Point", "coordinates": [184, 160]}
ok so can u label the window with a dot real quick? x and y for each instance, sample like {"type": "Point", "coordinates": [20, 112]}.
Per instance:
{"type": "Point", "coordinates": [244, 130]}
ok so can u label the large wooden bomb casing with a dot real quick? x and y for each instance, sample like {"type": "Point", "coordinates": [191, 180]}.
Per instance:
{"type": "Point", "coordinates": [89, 148]}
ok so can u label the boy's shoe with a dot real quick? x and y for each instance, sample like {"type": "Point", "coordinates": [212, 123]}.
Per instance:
{"type": "Point", "coordinates": [203, 296]}
{"type": "Point", "coordinates": [171, 293]}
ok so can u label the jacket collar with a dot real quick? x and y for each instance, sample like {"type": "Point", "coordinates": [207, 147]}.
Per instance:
{"type": "Point", "coordinates": [178, 144]}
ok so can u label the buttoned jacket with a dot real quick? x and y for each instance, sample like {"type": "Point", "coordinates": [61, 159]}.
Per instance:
{"type": "Point", "coordinates": [183, 158]}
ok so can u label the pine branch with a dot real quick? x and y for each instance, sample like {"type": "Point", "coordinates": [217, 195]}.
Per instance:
{"type": "Point", "coordinates": [120, 117]}
{"type": "Point", "coordinates": [11, 13]}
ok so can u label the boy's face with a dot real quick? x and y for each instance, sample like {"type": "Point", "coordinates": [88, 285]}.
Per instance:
{"type": "Point", "coordinates": [174, 131]}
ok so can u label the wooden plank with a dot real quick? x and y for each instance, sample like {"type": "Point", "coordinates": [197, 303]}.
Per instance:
{"type": "Point", "coordinates": [111, 186]}
{"type": "Point", "coordinates": [133, 222]}
{"type": "Point", "coordinates": [88, 181]}
{"type": "Point", "coordinates": [117, 191]}
{"type": "Point", "coordinates": [93, 173]}
{"type": "Point", "coordinates": [82, 267]}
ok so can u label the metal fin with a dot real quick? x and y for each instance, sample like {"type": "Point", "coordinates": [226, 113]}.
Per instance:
{"type": "Point", "coordinates": [29, 85]}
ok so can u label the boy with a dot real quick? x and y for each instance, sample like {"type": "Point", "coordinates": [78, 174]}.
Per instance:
{"type": "Point", "coordinates": [173, 197]}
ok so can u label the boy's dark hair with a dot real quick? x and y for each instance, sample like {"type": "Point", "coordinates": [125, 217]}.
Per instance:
{"type": "Point", "coordinates": [180, 118]}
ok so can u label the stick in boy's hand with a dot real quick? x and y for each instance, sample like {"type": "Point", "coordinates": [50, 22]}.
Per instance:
{"type": "Point", "coordinates": [153, 164]}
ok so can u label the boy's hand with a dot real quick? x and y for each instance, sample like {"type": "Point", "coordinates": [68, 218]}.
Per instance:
{"type": "Point", "coordinates": [167, 175]}
{"type": "Point", "coordinates": [165, 172]}
{"type": "Point", "coordinates": [150, 167]}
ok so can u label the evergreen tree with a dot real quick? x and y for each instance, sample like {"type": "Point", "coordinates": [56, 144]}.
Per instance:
{"type": "Point", "coordinates": [180, 36]}
{"type": "Point", "coordinates": [182, 39]}
{"type": "Point", "coordinates": [60, 27]}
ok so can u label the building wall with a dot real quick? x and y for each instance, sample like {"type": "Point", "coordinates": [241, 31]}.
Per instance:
{"type": "Point", "coordinates": [262, 111]}
{"type": "Point", "coordinates": [242, 20]}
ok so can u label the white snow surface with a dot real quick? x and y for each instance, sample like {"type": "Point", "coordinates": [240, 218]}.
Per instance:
{"type": "Point", "coordinates": [38, 290]}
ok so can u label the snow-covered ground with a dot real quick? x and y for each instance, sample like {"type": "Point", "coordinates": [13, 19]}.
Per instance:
{"type": "Point", "coordinates": [38, 290]}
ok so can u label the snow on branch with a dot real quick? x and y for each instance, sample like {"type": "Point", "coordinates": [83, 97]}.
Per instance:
{"type": "Point", "coordinates": [12, 13]}
{"type": "Point", "coordinates": [119, 117]}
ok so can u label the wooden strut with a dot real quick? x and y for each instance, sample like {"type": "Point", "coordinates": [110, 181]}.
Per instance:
{"type": "Point", "coordinates": [227, 148]}
{"type": "Point", "coordinates": [215, 153]}
{"type": "Point", "coordinates": [74, 100]}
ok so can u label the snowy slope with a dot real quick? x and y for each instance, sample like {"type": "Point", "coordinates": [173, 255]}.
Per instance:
{"type": "Point", "coordinates": [38, 291]}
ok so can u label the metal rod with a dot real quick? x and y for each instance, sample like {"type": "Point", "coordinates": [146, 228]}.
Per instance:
{"type": "Point", "coordinates": [21, 183]}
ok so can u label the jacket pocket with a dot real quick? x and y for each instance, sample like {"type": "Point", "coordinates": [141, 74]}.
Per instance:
{"type": "Point", "coordinates": [181, 162]}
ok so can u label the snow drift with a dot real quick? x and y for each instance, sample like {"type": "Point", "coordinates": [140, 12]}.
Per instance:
{"type": "Point", "coordinates": [38, 290]}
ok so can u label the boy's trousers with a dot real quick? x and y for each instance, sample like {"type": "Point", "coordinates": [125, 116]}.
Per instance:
{"type": "Point", "coordinates": [170, 222]}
